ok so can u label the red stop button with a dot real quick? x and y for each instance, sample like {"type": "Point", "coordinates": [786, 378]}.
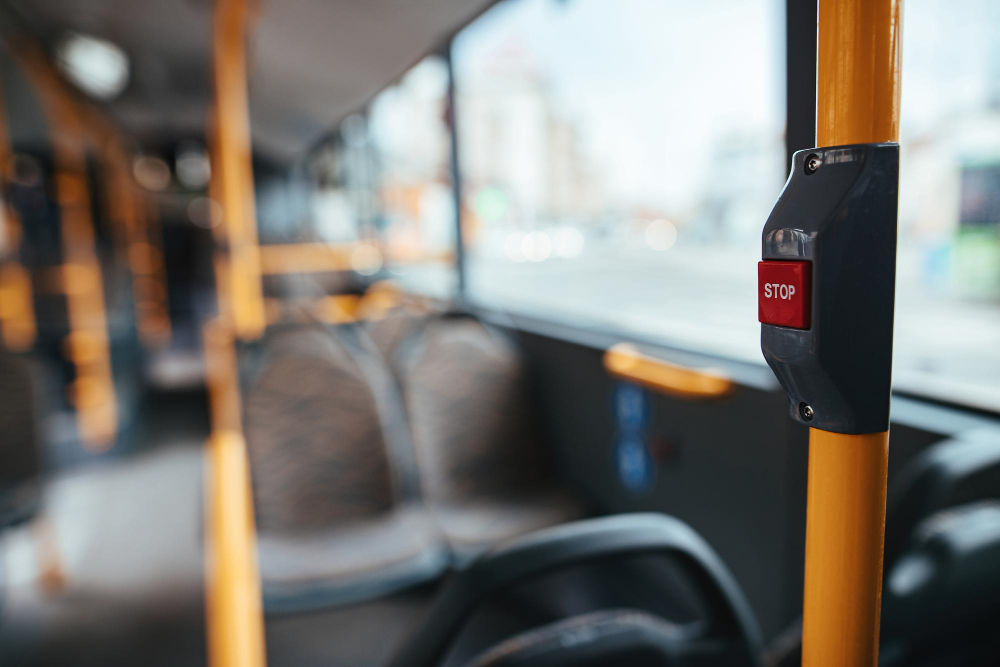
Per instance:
{"type": "Point", "coordinates": [784, 291]}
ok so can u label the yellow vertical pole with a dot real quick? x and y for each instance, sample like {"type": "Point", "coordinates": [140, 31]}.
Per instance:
{"type": "Point", "coordinates": [858, 94]}
{"type": "Point", "coordinates": [233, 596]}
{"type": "Point", "coordinates": [17, 309]}
{"type": "Point", "coordinates": [845, 526]}
{"type": "Point", "coordinates": [857, 73]}
{"type": "Point", "coordinates": [233, 169]}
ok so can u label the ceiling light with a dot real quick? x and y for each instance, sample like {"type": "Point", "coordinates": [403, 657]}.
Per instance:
{"type": "Point", "coordinates": [98, 67]}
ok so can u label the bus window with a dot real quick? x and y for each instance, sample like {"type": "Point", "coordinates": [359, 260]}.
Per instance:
{"type": "Point", "coordinates": [618, 160]}
{"type": "Point", "coordinates": [331, 200]}
{"type": "Point", "coordinates": [948, 273]}
{"type": "Point", "coordinates": [410, 138]}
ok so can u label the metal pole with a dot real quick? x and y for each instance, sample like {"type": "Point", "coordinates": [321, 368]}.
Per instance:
{"type": "Point", "coordinates": [456, 175]}
{"type": "Point", "coordinates": [233, 170]}
{"type": "Point", "coordinates": [234, 607]}
{"type": "Point", "coordinates": [858, 76]}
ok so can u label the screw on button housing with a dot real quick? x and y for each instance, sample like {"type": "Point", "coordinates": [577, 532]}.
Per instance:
{"type": "Point", "coordinates": [813, 163]}
{"type": "Point", "coordinates": [806, 412]}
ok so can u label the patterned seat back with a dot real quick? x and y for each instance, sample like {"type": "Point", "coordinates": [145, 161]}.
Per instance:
{"type": "Point", "coordinates": [466, 395]}
{"type": "Point", "coordinates": [316, 445]}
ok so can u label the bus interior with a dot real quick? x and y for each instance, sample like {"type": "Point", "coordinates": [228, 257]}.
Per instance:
{"type": "Point", "coordinates": [421, 333]}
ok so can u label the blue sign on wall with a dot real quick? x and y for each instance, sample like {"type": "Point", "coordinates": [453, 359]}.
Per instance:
{"type": "Point", "coordinates": [632, 459]}
{"type": "Point", "coordinates": [631, 407]}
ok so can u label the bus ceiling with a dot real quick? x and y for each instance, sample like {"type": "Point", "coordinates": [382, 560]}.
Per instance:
{"type": "Point", "coordinates": [293, 103]}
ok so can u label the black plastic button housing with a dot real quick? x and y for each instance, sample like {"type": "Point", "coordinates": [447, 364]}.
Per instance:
{"type": "Point", "coordinates": [838, 210]}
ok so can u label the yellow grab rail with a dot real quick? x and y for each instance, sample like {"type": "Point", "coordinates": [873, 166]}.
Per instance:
{"type": "Point", "coordinates": [858, 92]}
{"type": "Point", "coordinates": [625, 361]}
{"type": "Point", "coordinates": [285, 258]}
{"type": "Point", "coordinates": [331, 309]}
{"type": "Point", "coordinates": [858, 72]}
{"type": "Point", "coordinates": [234, 611]}
{"type": "Point", "coordinates": [318, 257]}
{"type": "Point", "coordinates": [845, 524]}
{"type": "Point", "coordinates": [232, 173]}
{"type": "Point", "coordinates": [221, 376]}
{"type": "Point", "coordinates": [233, 598]}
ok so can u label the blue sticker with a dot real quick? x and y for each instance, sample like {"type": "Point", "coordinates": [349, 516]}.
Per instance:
{"type": "Point", "coordinates": [632, 458]}
{"type": "Point", "coordinates": [635, 466]}
{"type": "Point", "coordinates": [630, 407]}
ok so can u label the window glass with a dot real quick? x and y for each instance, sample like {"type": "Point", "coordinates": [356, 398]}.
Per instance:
{"type": "Point", "coordinates": [410, 140]}
{"type": "Point", "coordinates": [948, 275]}
{"type": "Point", "coordinates": [619, 160]}
{"type": "Point", "coordinates": [341, 196]}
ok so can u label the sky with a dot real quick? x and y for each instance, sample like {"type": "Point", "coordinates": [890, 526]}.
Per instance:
{"type": "Point", "coordinates": [649, 82]}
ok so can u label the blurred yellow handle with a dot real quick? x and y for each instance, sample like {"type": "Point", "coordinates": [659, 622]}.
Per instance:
{"type": "Point", "coordinates": [625, 361]}
{"type": "Point", "coordinates": [285, 258]}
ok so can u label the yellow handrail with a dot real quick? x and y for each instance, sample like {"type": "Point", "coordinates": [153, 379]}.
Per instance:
{"type": "Point", "coordinates": [222, 376]}
{"type": "Point", "coordinates": [625, 361]}
{"type": "Point", "coordinates": [331, 309]}
{"type": "Point", "coordinates": [858, 72]}
{"type": "Point", "coordinates": [318, 257]}
{"type": "Point", "coordinates": [232, 173]}
{"type": "Point", "coordinates": [234, 613]}
{"type": "Point", "coordinates": [286, 258]}
{"type": "Point", "coordinates": [233, 598]}
{"type": "Point", "coordinates": [845, 526]}
{"type": "Point", "coordinates": [858, 91]}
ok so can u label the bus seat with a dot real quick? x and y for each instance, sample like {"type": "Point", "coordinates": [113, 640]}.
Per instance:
{"type": "Point", "coordinates": [127, 536]}
{"type": "Point", "coordinates": [20, 456]}
{"type": "Point", "coordinates": [950, 473]}
{"type": "Point", "coordinates": [940, 596]}
{"type": "Point", "coordinates": [723, 632]}
{"type": "Point", "coordinates": [338, 515]}
{"type": "Point", "coordinates": [313, 435]}
{"type": "Point", "coordinates": [358, 561]}
{"type": "Point", "coordinates": [479, 454]}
